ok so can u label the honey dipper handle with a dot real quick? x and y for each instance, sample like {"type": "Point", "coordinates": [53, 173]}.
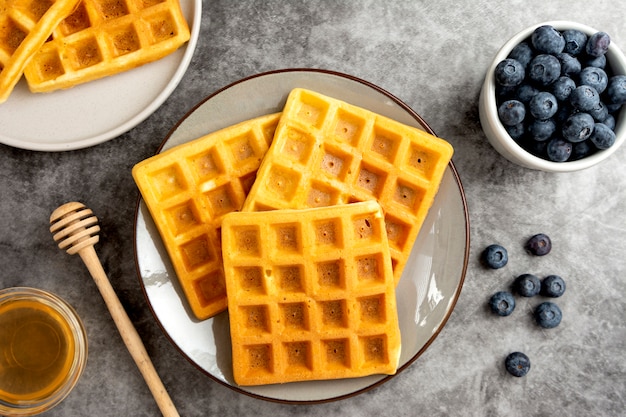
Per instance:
{"type": "Point", "coordinates": [129, 333]}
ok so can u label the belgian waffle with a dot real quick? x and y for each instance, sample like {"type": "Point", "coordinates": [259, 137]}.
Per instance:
{"type": "Point", "coordinates": [24, 27]}
{"type": "Point", "coordinates": [311, 294]}
{"type": "Point", "coordinates": [326, 151]}
{"type": "Point", "coordinates": [189, 188]}
{"type": "Point", "coordinates": [105, 37]}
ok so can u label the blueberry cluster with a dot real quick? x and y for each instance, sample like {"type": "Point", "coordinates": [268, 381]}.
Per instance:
{"type": "Point", "coordinates": [547, 314]}
{"type": "Point", "coordinates": [556, 95]}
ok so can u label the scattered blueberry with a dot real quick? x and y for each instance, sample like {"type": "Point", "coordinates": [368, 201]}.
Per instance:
{"type": "Point", "coordinates": [548, 40]}
{"type": "Point", "coordinates": [548, 315]}
{"type": "Point", "coordinates": [578, 127]}
{"type": "Point", "coordinates": [527, 285]}
{"type": "Point", "coordinates": [559, 150]}
{"type": "Point", "coordinates": [543, 105]}
{"type": "Point", "coordinates": [552, 286]}
{"type": "Point", "coordinates": [544, 69]}
{"type": "Point", "coordinates": [495, 256]}
{"type": "Point", "coordinates": [594, 77]}
{"type": "Point", "coordinates": [575, 41]}
{"type": "Point", "coordinates": [509, 72]}
{"type": "Point", "coordinates": [616, 89]}
{"type": "Point", "coordinates": [598, 44]}
{"type": "Point", "coordinates": [511, 112]}
{"type": "Point", "coordinates": [517, 364]}
{"type": "Point", "coordinates": [572, 67]}
{"type": "Point", "coordinates": [502, 303]}
{"type": "Point", "coordinates": [539, 244]}
{"type": "Point", "coordinates": [584, 98]}
{"type": "Point", "coordinates": [602, 137]}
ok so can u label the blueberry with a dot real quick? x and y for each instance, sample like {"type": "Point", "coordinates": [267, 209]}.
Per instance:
{"type": "Point", "coordinates": [584, 98]}
{"type": "Point", "coordinates": [552, 286]}
{"type": "Point", "coordinates": [548, 315]}
{"type": "Point", "coordinates": [609, 121]}
{"type": "Point", "coordinates": [539, 244]}
{"type": "Point", "coordinates": [543, 105]}
{"type": "Point", "coordinates": [541, 130]}
{"type": "Point", "coordinates": [578, 127]}
{"type": "Point", "coordinates": [575, 41]}
{"type": "Point", "coordinates": [495, 256]}
{"type": "Point", "coordinates": [616, 89]}
{"type": "Point", "coordinates": [525, 92]}
{"type": "Point", "coordinates": [527, 285]}
{"type": "Point", "coordinates": [598, 44]}
{"type": "Point", "coordinates": [502, 303]}
{"type": "Point", "coordinates": [595, 61]}
{"type": "Point", "coordinates": [581, 150]}
{"type": "Point", "coordinates": [517, 364]}
{"type": "Point", "coordinates": [509, 72]}
{"type": "Point", "coordinates": [511, 112]}
{"type": "Point", "coordinates": [522, 53]}
{"type": "Point", "coordinates": [548, 40]}
{"type": "Point", "coordinates": [594, 77]}
{"type": "Point", "coordinates": [562, 88]}
{"type": "Point", "coordinates": [570, 65]}
{"type": "Point", "coordinates": [544, 69]}
{"type": "Point", "coordinates": [516, 132]}
{"type": "Point", "coordinates": [558, 150]}
{"type": "Point", "coordinates": [599, 113]}
{"type": "Point", "coordinates": [602, 137]}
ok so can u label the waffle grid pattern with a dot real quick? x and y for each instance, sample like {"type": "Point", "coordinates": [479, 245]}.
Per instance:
{"type": "Point", "coordinates": [24, 27]}
{"type": "Point", "coordinates": [328, 152]}
{"type": "Point", "coordinates": [189, 188]}
{"type": "Point", "coordinates": [311, 294]}
{"type": "Point", "coordinates": [105, 37]}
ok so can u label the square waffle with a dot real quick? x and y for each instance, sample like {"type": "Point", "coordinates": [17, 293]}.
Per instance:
{"type": "Point", "coordinates": [189, 188]}
{"type": "Point", "coordinates": [326, 151]}
{"type": "Point", "coordinates": [311, 294]}
{"type": "Point", "coordinates": [105, 37]}
{"type": "Point", "coordinates": [24, 27]}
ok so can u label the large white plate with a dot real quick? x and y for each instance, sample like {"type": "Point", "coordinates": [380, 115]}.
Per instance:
{"type": "Point", "coordinates": [427, 291]}
{"type": "Point", "coordinates": [97, 111]}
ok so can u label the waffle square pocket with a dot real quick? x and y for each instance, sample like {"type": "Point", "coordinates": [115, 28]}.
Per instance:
{"type": "Point", "coordinates": [311, 294]}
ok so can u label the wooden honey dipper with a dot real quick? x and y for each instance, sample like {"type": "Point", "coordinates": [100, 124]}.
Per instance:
{"type": "Point", "coordinates": [75, 228]}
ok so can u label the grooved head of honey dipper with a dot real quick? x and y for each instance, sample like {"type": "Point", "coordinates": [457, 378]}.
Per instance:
{"type": "Point", "coordinates": [74, 227]}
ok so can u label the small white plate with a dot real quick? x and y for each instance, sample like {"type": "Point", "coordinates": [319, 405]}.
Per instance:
{"type": "Point", "coordinates": [97, 111]}
{"type": "Point", "coordinates": [427, 291]}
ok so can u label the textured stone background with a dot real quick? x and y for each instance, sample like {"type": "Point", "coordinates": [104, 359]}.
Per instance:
{"type": "Point", "coordinates": [432, 55]}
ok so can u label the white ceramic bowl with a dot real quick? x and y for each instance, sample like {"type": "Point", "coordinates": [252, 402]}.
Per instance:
{"type": "Point", "coordinates": [506, 146]}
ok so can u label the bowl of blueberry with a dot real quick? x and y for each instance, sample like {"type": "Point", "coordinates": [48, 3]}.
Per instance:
{"type": "Point", "coordinates": [554, 96]}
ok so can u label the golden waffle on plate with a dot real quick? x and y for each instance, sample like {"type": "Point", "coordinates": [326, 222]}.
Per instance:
{"type": "Point", "coordinates": [189, 188]}
{"type": "Point", "coordinates": [326, 151]}
{"type": "Point", "coordinates": [24, 27]}
{"type": "Point", "coordinates": [311, 294]}
{"type": "Point", "coordinates": [105, 37]}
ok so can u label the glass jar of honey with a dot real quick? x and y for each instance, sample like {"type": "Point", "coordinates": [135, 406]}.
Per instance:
{"type": "Point", "coordinates": [43, 350]}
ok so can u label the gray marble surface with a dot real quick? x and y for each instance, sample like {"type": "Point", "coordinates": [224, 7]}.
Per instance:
{"type": "Point", "coordinates": [432, 55]}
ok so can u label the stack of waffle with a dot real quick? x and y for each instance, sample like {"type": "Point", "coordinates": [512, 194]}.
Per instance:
{"type": "Point", "coordinates": [300, 224]}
